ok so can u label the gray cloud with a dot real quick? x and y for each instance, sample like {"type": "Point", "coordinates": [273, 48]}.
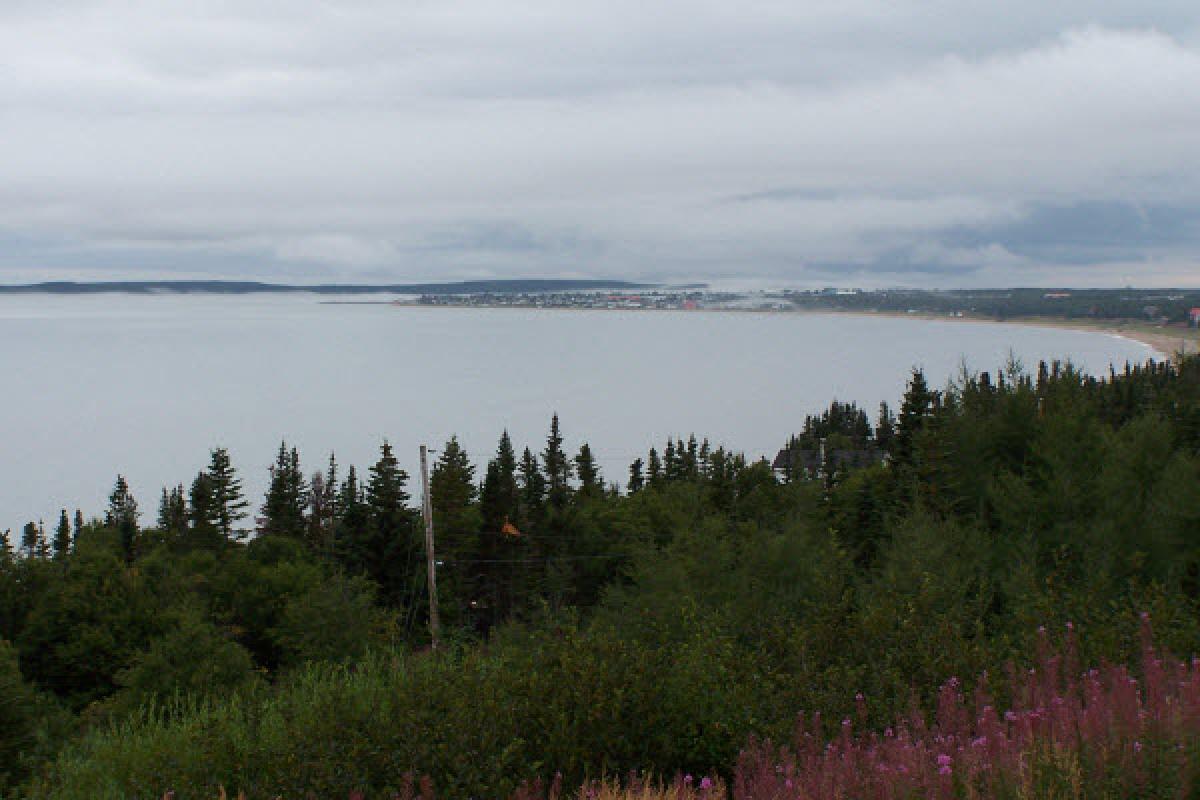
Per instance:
{"type": "Point", "coordinates": [869, 142]}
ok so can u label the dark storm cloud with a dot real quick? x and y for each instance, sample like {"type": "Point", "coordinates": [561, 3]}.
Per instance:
{"type": "Point", "coordinates": [1089, 232]}
{"type": "Point", "coordinates": [931, 143]}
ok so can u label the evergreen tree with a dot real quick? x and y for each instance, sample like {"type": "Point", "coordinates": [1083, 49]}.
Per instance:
{"type": "Point", "coordinates": [29, 540]}
{"type": "Point", "coordinates": [351, 521]}
{"type": "Point", "coordinates": [122, 516]}
{"type": "Point", "coordinates": [164, 505]}
{"type": "Point", "coordinates": [43, 543]}
{"type": "Point", "coordinates": [670, 461]}
{"type": "Point", "coordinates": [452, 482]}
{"type": "Point", "coordinates": [287, 496]}
{"type": "Point", "coordinates": [457, 521]}
{"type": "Point", "coordinates": [916, 407]}
{"type": "Point", "coordinates": [322, 505]}
{"type": "Point", "coordinates": [202, 513]}
{"type": "Point", "coordinates": [557, 468]}
{"type": "Point", "coordinates": [62, 537]}
{"type": "Point", "coordinates": [229, 506]}
{"type": "Point", "coordinates": [386, 493]}
{"type": "Point", "coordinates": [636, 479]}
{"type": "Point", "coordinates": [172, 511]}
{"type": "Point", "coordinates": [533, 490]}
{"type": "Point", "coordinates": [392, 547]}
{"type": "Point", "coordinates": [654, 470]}
{"type": "Point", "coordinates": [6, 550]}
{"type": "Point", "coordinates": [591, 484]}
{"type": "Point", "coordinates": [350, 496]}
{"type": "Point", "coordinates": [691, 459]}
{"type": "Point", "coordinates": [498, 499]}
{"type": "Point", "coordinates": [885, 430]}
{"type": "Point", "coordinates": [78, 529]}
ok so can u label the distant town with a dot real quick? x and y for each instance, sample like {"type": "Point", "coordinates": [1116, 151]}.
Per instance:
{"type": "Point", "coordinates": [1177, 308]}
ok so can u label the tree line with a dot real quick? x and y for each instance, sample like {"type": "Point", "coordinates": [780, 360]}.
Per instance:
{"type": "Point", "coordinates": [653, 627]}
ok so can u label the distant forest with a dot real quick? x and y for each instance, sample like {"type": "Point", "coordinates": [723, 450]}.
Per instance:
{"type": "Point", "coordinates": [205, 641]}
{"type": "Point", "coordinates": [254, 287]}
{"type": "Point", "coordinates": [1151, 305]}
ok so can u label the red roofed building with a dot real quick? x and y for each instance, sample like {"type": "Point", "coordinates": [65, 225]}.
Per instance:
{"type": "Point", "coordinates": [1194, 317]}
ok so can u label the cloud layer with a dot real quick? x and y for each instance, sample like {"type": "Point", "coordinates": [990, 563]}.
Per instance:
{"type": "Point", "coordinates": [857, 143]}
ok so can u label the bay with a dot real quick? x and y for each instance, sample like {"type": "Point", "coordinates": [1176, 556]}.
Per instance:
{"type": "Point", "coordinates": [145, 385]}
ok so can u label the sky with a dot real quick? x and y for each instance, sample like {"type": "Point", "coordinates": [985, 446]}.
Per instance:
{"type": "Point", "coordinates": [860, 143]}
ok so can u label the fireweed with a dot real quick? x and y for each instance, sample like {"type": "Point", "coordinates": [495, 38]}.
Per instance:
{"type": "Point", "coordinates": [1099, 733]}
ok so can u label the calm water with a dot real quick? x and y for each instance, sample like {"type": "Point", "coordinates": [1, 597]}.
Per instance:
{"type": "Point", "coordinates": [146, 385]}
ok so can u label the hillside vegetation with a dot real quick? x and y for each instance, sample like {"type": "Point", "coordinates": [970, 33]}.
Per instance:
{"type": "Point", "coordinates": [670, 630]}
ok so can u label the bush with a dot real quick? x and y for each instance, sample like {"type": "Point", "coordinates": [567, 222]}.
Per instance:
{"type": "Point", "coordinates": [194, 658]}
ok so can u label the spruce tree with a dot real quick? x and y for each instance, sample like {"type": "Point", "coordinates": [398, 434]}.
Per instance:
{"type": "Point", "coordinates": [43, 543]}
{"type": "Point", "coordinates": [636, 479]}
{"type": "Point", "coordinates": [916, 407]}
{"type": "Point", "coordinates": [29, 540]}
{"type": "Point", "coordinates": [533, 489]}
{"type": "Point", "coordinates": [229, 506]}
{"type": "Point", "coordinates": [590, 483]}
{"type": "Point", "coordinates": [557, 467]}
{"type": "Point", "coordinates": [122, 516]}
{"type": "Point", "coordinates": [202, 513]}
{"type": "Point", "coordinates": [62, 537]}
{"type": "Point", "coordinates": [691, 458]}
{"type": "Point", "coordinates": [164, 509]}
{"type": "Point", "coordinates": [349, 498]}
{"type": "Point", "coordinates": [498, 499]}
{"type": "Point", "coordinates": [287, 496]}
{"type": "Point", "coordinates": [172, 511]}
{"type": "Point", "coordinates": [452, 482]}
{"type": "Point", "coordinates": [654, 472]}
{"type": "Point", "coordinates": [392, 547]}
{"type": "Point", "coordinates": [457, 523]}
{"type": "Point", "coordinates": [670, 461]}
{"type": "Point", "coordinates": [78, 528]}
{"type": "Point", "coordinates": [885, 429]}
{"type": "Point", "coordinates": [322, 505]}
{"type": "Point", "coordinates": [350, 527]}
{"type": "Point", "coordinates": [177, 511]}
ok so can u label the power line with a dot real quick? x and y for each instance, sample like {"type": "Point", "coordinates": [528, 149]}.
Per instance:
{"type": "Point", "coordinates": [542, 559]}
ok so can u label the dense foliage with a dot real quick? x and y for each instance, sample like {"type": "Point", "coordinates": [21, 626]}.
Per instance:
{"type": "Point", "coordinates": [590, 631]}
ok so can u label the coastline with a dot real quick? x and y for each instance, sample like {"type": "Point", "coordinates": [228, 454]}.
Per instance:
{"type": "Point", "coordinates": [1167, 343]}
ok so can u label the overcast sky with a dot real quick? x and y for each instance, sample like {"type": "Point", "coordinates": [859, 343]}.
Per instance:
{"type": "Point", "coordinates": [863, 142]}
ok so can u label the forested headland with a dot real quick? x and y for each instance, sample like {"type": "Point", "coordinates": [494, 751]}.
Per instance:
{"type": "Point", "coordinates": [1025, 526]}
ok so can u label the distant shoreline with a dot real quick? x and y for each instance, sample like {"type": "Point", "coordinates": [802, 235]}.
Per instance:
{"type": "Point", "coordinates": [1167, 343]}
{"type": "Point", "coordinates": [219, 287]}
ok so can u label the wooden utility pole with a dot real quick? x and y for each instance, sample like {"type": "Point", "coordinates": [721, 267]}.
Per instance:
{"type": "Point", "coordinates": [430, 563]}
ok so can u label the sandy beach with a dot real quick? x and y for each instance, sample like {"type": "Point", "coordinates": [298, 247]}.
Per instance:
{"type": "Point", "coordinates": [1168, 342]}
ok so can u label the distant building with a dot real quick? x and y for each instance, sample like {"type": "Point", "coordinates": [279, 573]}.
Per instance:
{"type": "Point", "coordinates": [1194, 317]}
{"type": "Point", "coordinates": [1056, 295]}
{"type": "Point", "coordinates": [812, 463]}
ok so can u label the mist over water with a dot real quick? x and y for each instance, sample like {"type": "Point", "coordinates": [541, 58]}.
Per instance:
{"type": "Point", "coordinates": [146, 385]}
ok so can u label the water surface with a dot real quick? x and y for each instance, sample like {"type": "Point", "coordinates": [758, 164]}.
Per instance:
{"type": "Point", "coordinates": [145, 385]}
